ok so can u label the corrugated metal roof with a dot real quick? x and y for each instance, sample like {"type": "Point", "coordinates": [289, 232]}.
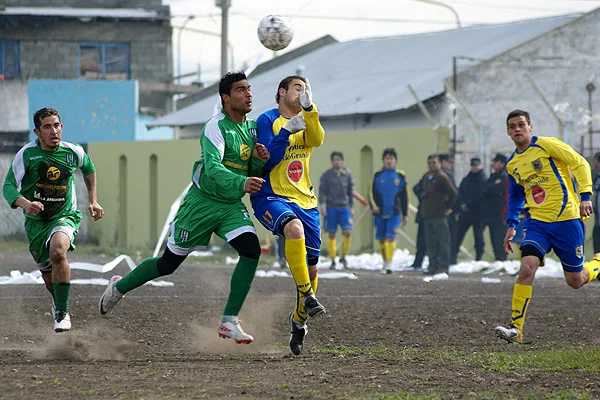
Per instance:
{"type": "Point", "coordinates": [67, 12]}
{"type": "Point", "coordinates": [368, 76]}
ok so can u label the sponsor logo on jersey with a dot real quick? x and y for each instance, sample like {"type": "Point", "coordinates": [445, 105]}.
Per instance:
{"type": "Point", "coordinates": [396, 181]}
{"type": "Point", "coordinates": [537, 165]}
{"type": "Point", "coordinates": [52, 173]}
{"type": "Point", "coordinates": [579, 251]}
{"type": "Point", "coordinates": [295, 170]}
{"type": "Point", "coordinates": [538, 194]}
{"type": "Point", "coordinates": [245, 152]}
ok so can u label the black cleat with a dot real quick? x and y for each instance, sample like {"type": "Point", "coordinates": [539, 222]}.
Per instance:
{"type": "Point", "coordinates": [312, 307]}
{"type": "Point", "coordinates": [297, 336]}
{"type": "Point", "coordinates": [332, 266]}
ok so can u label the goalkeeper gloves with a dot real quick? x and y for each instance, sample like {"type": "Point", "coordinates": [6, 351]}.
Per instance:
{"type": "Point", "coordinates": [306, 96]}
{"type": "Point", "coordinates": [295, 124]}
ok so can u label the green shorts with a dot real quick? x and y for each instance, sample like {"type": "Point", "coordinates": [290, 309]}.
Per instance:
{"type": "Point", "coordinates": [199, 216]}
{"type": "Point", "coordinates": [39, 233]}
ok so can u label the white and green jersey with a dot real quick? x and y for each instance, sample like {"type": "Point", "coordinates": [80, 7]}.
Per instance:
{"type": "Point", "coordinates": [227, 159]}
{"type": "Point", "coordinates": [47, 177]}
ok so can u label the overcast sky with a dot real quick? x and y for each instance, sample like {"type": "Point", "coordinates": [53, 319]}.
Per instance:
{"type": "Point", "coordinates": [343, 19]}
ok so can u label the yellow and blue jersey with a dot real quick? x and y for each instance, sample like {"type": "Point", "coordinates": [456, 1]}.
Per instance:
{"type": "Point", "coordinates": [388, 192]}
{"type": "Point", "coordinates": [289, 165]}
{"type": "Point", "coordinates": [541, 184]}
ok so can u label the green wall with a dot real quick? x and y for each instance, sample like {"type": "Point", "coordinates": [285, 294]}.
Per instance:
{"type": "Point", "coordinates": [138, 181]}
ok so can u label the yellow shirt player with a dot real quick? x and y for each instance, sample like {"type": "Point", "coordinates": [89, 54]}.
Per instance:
{"type": "Point", "coordinates": [540, 185]}
{"type": "Point", "coordinates": [286, 204]}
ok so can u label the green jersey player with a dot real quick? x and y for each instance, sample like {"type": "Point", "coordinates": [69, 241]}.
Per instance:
{"type": "Point", "coordinates": [40, 181]}
{"type": "Point", "coordinates": [231, 165]}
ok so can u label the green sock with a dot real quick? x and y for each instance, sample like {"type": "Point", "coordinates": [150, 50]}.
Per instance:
{"type": "Point", "coordinates": [241, 281]}
{"type": "Point", "coordinates": [51, 292]}
{"type": "Point", "coordinates": [143, 273]}
{"type": "Point", "coordinates": [61, 296]}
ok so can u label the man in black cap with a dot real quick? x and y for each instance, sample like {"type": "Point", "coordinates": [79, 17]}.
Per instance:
{"type": "Point", "coordinates": [495, 197]}
{"type": "Point", "coordinates": [471, 206]}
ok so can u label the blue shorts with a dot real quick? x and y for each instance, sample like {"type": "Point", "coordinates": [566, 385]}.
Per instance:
{"type": "Point", "coordinates": [270, 211]}
{"type": "Point", "coordinates": [385, 228]}
{"type": "Point", "coordinates": [338, 216]}
{"type": "Point", "coordinates": [565, 238]}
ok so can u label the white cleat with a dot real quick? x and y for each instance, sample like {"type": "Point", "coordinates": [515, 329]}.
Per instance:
{"type": "Point", "coordinates": [511, 334]}
{"type": "Point", "coordinates": [233, 330]}
{"type": "Point", "coordinates": [62, 321]}
{"type": "Point", "coordinates": [111, 296]}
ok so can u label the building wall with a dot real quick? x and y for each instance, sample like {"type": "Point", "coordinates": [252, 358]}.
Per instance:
{"type": "Point", "coordinates": [14, 105]}
{"type": "Point", "coordinates": [138, 182]}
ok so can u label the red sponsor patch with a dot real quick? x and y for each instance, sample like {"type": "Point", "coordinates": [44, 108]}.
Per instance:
{"type": "Point", "coordinates": [538, 194]}
{"type": "Point", "coordinates": [295, 170]}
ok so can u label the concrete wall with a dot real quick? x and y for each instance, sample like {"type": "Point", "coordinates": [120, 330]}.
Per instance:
{"type": "Point", "coordinates": [14, 105]}
{"type": "Point", "coordinates": [138, 182]}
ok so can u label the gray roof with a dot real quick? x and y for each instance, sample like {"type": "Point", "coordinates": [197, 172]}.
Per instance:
{"type": "Point", "coordinates": [67, 12]}
{"type": "Point", "coordinates": [367, 76]}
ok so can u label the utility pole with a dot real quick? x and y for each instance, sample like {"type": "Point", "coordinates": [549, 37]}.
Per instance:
{"type": "Point", "coordinates": [224, 4]}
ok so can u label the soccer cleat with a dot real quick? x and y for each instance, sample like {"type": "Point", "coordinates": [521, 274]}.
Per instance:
{"type": "Point", "coordinates": [333, 265]}
{"type": "Point", "coordinates": [312, 307]}
{"type": "Point", "coordinates": [388, 271]}
{"type": "Point", "coordinates": [62, 321]}
{"type": "Point", "coordinates": [233, 330]}
{"type": "Point", "coordinates": [297, 336]}
{"type": "Point", "coordinates": [111, 296]}
{"type": "Point", "coordinates": [512, 335]}
{"type": "Point", "coordinates": [344, 262]}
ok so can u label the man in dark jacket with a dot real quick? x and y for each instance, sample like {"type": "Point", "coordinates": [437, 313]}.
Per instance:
{"type": "Point", "coordinates": [495, 195]}
{"type": "Point", "coordinates": [421, 244]}
{"type": "Point", "coordinates": [438, 197]}
{"type": "Point", "coordinates": [596, 202]}
{"type": "Point", "coordinates": [470, 198]}
{"type": "Point", "coordinates": [447, 163]}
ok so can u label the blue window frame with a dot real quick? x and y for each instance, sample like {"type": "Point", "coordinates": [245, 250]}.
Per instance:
{"type": "Point", "coordinates": [9, 59]}
{"type": "Point", "coordinates": [108, 61]}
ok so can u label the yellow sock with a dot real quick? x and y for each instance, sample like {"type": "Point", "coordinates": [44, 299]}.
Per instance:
{"type": "Point", "coordinates": [382, 250]}
{"type": "Point", "coordinates": [314, 283]}
{"type": "Point", "coordinates": [593, 267]}
{"type": "Point", "coordinates": [520, 302]}
{"type": "Point", "coordinates": [299, 313]}
{"type": "Point", "coordinates": [295, 254]}
{"type": "Point", "coordinates": [332, 247]}
{"type": "Point", "coordinates": [390, 247]}
{"type": "Point", "coordinates": [346, 241]}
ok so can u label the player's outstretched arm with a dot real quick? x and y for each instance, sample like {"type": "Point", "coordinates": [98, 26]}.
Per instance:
{"type": "Point", "coordinates": [95, 209]}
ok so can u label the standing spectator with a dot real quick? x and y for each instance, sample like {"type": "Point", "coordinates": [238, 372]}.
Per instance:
{"type": "Point", "coordinates": [389, 203]}
{"type": "Point", "coordinates": [596, 186]}
{"type": "Point", "coordinates": [438, 197]}
{"type": "Point", "coordinates": [337, 205]}
{"type": "Point", "coordinates": [447, 163]}
{"type": "Point", "coordinates": [495, 195]}
{"type": "Point", "coordinates": [421, 244]}
{"type": "Point", "coordinates": [470, 198]}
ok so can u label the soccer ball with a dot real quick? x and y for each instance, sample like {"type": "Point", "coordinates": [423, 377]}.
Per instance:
{"type": "Point", "coordinates": [275, 32]}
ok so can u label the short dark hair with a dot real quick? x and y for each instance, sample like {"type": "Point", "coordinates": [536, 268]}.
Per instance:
{"type": "Point", "coordinates": [389, 152]}
{"type": "Point", "coordinates": [518, 113]}
{"type": "Point", "coordinates": [433, 156]}
{"type": "Point", "coordinates": [42, 113]}
{"type": "Point", "coordinates": [445, 157]}
{"type": "Point", "coordinates": [227, 81]}
{"type": "Point", "coordinates": [285, 84]}
{"type": "Point", "coordinates": [336, 153]}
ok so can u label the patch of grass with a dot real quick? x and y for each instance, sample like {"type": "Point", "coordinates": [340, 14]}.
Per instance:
{"type": "Point", "coordinates": [284, 386]}
{"type": "Point", "coordinates": [567, 395]}
{"type": "Point", "coordinates": [251, 384]}
{"type": "Point", "coordinates": [405, 396]}
{"type": "Point", "coordinates": [584, 358]}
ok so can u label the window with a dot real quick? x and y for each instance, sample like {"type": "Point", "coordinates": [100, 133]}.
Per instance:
{"type": "Point", "coordinates": [9, 59]}
{"type": "Point", "coordinates": [104, 61]}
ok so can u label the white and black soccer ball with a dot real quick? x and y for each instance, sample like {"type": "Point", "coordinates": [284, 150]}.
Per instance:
{"type": "Point", "coordinates": [275, 32]}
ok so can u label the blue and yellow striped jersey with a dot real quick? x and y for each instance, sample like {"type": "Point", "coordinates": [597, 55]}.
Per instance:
{"type": "Point", "coordinates": [290, 176]}
{"type": "Point", "coordinates": [541, 183]}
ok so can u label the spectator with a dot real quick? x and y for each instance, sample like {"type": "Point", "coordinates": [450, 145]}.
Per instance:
{"type": "Point", "coordinates": [447, 163]}
{"type": "Point", "coordinates": [495, 195]}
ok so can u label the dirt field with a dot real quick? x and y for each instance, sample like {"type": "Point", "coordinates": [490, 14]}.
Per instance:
{"type": "Point", "coordinates": [384, 337]}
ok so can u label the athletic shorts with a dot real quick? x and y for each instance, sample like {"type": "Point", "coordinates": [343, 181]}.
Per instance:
{"type": "Point", "coordinates": [338, 216]}
{"type": "Point", "coordinates": [272, 210]}
{"type": "Point", "coordinates": [39, 233]}
{"type": "Point", "coordinates": [565, 238]}
{"type": "Point", "coordinates": [199, 216]}
{"type": "Point", "coordinates": [385, 228]}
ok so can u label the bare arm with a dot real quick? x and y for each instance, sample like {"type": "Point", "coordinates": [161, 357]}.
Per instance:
{"type": "Point", "coordinates": [96, 211]}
